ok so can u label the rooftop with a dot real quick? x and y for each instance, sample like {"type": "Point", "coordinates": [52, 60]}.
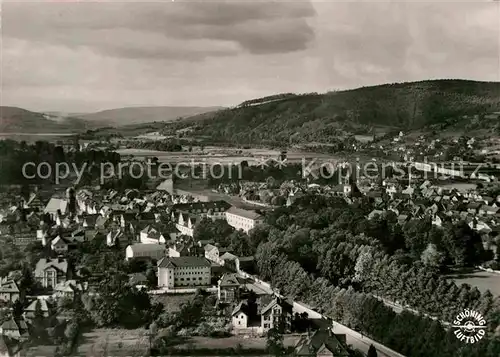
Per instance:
{"type": "Point", "coordinates": [244, 213]}
{"type": "Point", "coordinates": [182, 262]}
{"type": "Point", "coordinates": [142, 248]}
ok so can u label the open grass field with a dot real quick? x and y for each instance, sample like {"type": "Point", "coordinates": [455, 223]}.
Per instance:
{"type": "Point", "coordinates": [481, 279]}
{"type": "Point", "coordinates": [113, 342]}
{"type": "Point", "coordinates": [172, 303]}
{"type": "Point", "coordinates": [135, 343]}
{"type": "Point", "coordinates": [233, 341]}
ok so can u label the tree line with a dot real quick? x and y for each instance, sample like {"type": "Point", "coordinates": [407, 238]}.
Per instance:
{"type": "Point", "coordinates": [327, 254]}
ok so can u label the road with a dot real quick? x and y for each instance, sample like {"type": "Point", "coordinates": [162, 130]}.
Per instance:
{"type": "Point", "coordinates": [398, 308]}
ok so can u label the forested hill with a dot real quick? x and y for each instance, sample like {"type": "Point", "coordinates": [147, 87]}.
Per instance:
{"type": "Point", "coordinates": [318, 117]}
{"type": "Point", "coordinates": [18, 120]}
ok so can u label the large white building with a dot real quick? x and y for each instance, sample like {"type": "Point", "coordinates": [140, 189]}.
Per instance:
{"type": "Point", "coordinates": [145, 251]}
{"type": "Point", "coordinates": [185, 224]}
{"type": "Point", "coordinates": [243, 219]}
{"type": "Point", "coordinates": [176, 272]}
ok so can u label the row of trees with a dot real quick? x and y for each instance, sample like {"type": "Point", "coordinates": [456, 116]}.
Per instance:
{"type": "Point", "coordinates": [326, 253]}
{"type": "Point", "coordinates": [408, 333]}
{"type": "Point", "coordinates": [14, 155]}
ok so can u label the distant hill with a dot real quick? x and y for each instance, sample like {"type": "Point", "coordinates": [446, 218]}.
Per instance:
{"type": "Point", "coordinates": [139, 115]}
{"type": "Point", "coordinates": [323, 117]}
{"type": "Point", "coordinates": [18, 120]}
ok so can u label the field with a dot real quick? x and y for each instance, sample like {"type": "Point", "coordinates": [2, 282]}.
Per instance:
{"type": "Point", "coordinates": [111, 342]}
{"type": "Point", "coordinates": [172, 303]}
{"type": "Point", "coordinates": [481, 279]}
{"type": "Point", "coordinates": [233, 341]}
{"type": "Point", "coordinates": [218, 155]}
{"type": "Point", "coordinates": [121, 343]}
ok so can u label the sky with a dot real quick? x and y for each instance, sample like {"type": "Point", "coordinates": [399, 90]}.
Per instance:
{"type": "Point", "coordinates": [87, 56]}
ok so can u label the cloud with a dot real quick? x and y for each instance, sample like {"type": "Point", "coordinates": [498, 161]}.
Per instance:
{"type": "Point", "coordinates": [88, 56]}
{"type": "Point", "coordinates": [164, 30]}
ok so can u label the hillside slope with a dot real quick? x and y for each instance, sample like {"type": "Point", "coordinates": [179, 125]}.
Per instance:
{"type": "Point", "coordinates": [322, 117]}
{"type": "Point", "coordinates": [18, 120]}
{"type": "Point", "coordinates": [139, 115]}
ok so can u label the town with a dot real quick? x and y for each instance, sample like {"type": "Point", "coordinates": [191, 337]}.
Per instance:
{"type": "Point", "coordinates": [239, 178]}
{"type": "Point", "coordinates": [172, 265]}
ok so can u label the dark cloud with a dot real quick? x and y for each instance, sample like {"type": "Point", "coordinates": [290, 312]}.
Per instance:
{"type": "Point", "coordinates": [89, 56]}
{"type": "Point", "coordinates": [217, 29]}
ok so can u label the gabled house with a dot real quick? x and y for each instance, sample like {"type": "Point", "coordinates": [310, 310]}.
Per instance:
{"type": "Point", "coordinates": [9, 291]}
{"type": "Point", "coordinates": [488, 210]}
{"type": "Point", "coordinates": [67, 289]}
{"type": "Point", "coordinates": [29, 311]}
{"type": "Point", "coordinates": [230, 261]}
{"type": "Point", "coordinates": [228, 288]}
{"type": "Point", "coordinates": [322, 343]}
{"type": "Point", "coordinates": [59, 245]}
{"type": "Point", "coordinates": [155, 234]}
{"type": "Point", "coordinates": [15, 329]}
{"type": "Point", "coordinates": [50, 272]}
{"type": "Point", "coordinates": [179, 249]}
{"type": "Point", "coordinates": [276, 312]}
{"type": "Point", "coordinates": [34, 202]}
{"type": "Point", "coordinates": [56, 206]}
{"type": "Point", "coordinates": [212, 253]}
{"type": "Point", "coordinates": [480, 226]}
{"type": "Point", "coordinates": [115, 236]}
{"type": "Point", "coordinates": [241, 317]}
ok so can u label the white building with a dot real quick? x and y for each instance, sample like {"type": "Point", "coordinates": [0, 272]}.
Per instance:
{"type": "Point", "coordinates": [184, 272]}
{"type": "Point", "coordinates": [9, 291]}
{"type": "Point", "coordinates": [58, 245]}
{"type": "Point", "coordinates": [145, 251]}
{"type": "Point", "coordinates": [243, 219]}
{"type": "Point", "coordinates": [212, 253]}
{"type": "Point", "coordinates": [56, 206]}
{"type": "Point", "coordinates": [151, 235]}
{"type": "Point", "coordinates": [186, 224]}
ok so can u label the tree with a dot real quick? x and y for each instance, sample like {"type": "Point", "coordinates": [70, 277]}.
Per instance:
{"type": "Point", "coordinates": [464, 246]}
{"type": "Point", "coordinates": [153, 332]}
{"type": "Point", "coordinates": [431, 257]}
{"type": "Point", "coordinates": [372, 352]}
{"type": "Point", "coordinates": [152, 281]}
{"type": "Point", "coordinates": [17, 309]}
{"type": "Point", "coordinates": [39, 325]}
{"type": "Point", "coordinates": [274, 343]}
{"type": "Point", "coordinates": [363, 265]}
{"type": "Point", "coordinates": [71, 331]}
{"type": "Point", "coordinates": [120, 304]}
{"type": "Point", "coordinates": [27, 282]}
